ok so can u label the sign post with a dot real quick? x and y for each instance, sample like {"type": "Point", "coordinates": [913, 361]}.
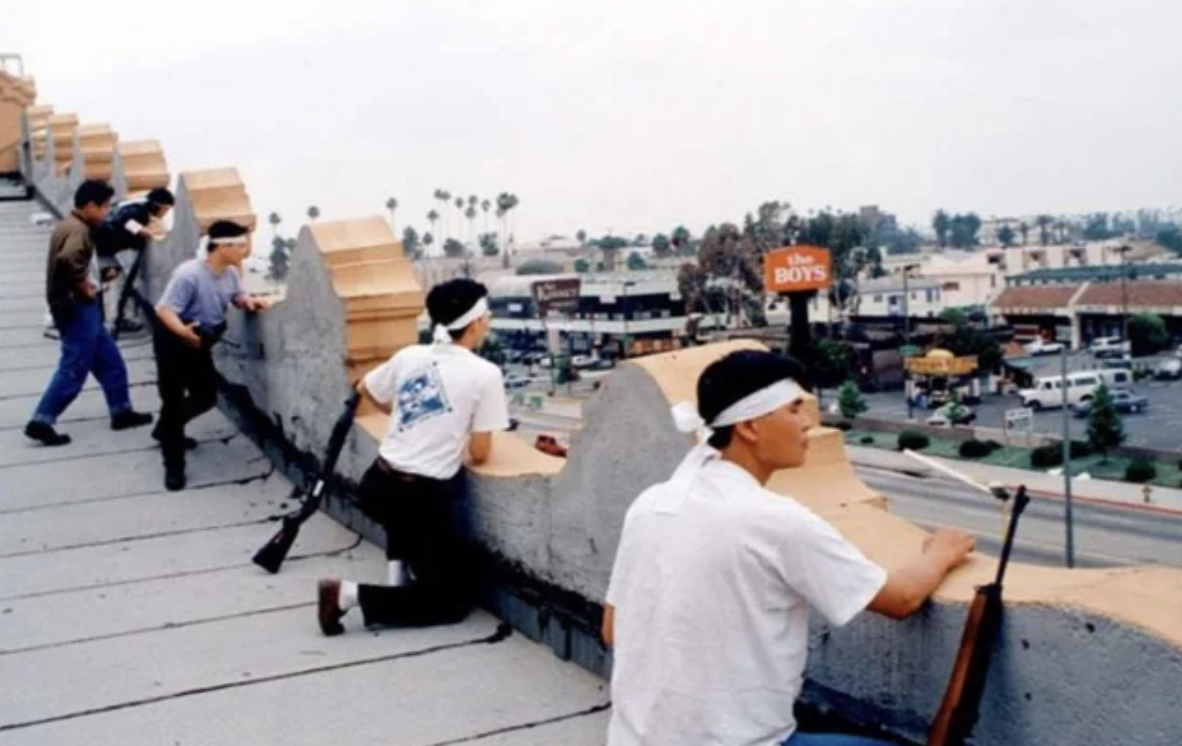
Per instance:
{"type": "Point", "coordinates": [560, 295]}
{"type": "Point", "coordinates": [798, 272]}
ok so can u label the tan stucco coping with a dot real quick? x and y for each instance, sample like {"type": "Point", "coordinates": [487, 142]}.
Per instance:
{"type": "Point", "coordinates": [16, 90]}
{"type": "Point", "coordinates": [1148, 597]}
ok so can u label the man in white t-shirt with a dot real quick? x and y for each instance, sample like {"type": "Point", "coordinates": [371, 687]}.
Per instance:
{"type": "Point", "coordinates": [444, 402]}
{"type": "Point", "coordinates": [709, 600]}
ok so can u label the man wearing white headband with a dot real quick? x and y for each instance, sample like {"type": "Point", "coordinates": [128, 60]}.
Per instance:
{"type": "Point", "coordinates": [191, 317]}
{"type": "Point", "coordinates": [708, 606]}
{"type": "Point", "coordinates": [444, 402]}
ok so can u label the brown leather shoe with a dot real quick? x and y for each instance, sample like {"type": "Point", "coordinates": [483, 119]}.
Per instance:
{"type": "Point", "coordinates": [329, 611]}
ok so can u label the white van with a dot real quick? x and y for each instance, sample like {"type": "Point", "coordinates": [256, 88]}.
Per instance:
{"type": "Point", "coordinates": [1047, 392]}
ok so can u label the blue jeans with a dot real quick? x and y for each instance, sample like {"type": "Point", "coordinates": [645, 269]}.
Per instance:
{"type": "Point", "coordinates": [830, 739]}
{"type": "Point", "coordinates": [87, 348]}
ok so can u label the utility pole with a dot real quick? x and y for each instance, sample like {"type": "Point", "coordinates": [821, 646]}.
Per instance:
{"type": "Point", "coordinates": [1124, 291]}
{"type": "Point", "coordinates": [1067, 501]}
{"type": "Point", "coordinates": [907, 336]}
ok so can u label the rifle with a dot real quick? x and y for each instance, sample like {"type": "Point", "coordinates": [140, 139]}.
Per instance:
{"type": "Point", "coordinates": [272, 554]}
{"type": "Point", "coordinates": [960, 707]}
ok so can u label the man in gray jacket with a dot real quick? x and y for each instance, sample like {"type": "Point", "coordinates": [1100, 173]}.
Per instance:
{"type": "Point", "coordinates": [71, 286]}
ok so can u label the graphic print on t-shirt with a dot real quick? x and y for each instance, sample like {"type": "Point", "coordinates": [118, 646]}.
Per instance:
{"type": "Point", "coordinates": [421, 397]}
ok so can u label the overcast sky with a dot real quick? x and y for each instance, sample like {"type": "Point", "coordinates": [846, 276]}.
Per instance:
{"type": "Point", "coordinates": [635, 115]}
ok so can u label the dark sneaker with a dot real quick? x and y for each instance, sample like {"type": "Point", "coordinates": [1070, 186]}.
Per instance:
{"type": "Point", "coordinates": [129, 419]}
{"type": "Point", "coordinates": [190, 443]}
{"type": "Point", "coordinates": [45, 434]}
{"type": "Point", "coordinates": [329, 611]}
{"type": "Point", "coordinates": [174, 478]}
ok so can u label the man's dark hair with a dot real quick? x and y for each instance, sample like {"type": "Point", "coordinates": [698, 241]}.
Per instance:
{"type": "Point", "coordinates": [737, 376]}
{"type": "Point", "coordinates": [160, 197]}
{"type": "Point", "coordinates": [450, 300]}
{"type": "Point", "coordinates": [224, 229]}
{"type": "Point", "coordinates": [93, 192]}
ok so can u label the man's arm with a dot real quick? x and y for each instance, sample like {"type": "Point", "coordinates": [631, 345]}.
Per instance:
{"type": "Point", "coordinates": [492, 415]}
{"type": "Point", "coordinates": [247, 303]}
{"type": "Point", "coordinates": [609, 625]}
{"type": "Point", "coordinates": [908, 589]}
{"type": "Point", "coordinates": [365, 392]}
{"type": "Point", "coordinates": [172, 321]}
{"type": "Point", "coordinates": [479, 448]}
{"type": "Point", "coordinates": [74, 261]}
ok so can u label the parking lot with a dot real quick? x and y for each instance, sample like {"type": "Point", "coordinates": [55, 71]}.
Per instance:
{"type": "Point", "coordinates": [1159, 427]}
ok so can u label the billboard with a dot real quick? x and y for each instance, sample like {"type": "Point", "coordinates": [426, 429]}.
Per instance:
{"type": "Point", "coordinates": [797, 268]}
{"type": "Point", "coordinates": [557, 295]}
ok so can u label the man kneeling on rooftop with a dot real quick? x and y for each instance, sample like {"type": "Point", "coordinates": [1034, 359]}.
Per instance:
{"type": "Point", "coordinates": [444, 402]}
{"type": "Point", "coordinates": [708, 605]}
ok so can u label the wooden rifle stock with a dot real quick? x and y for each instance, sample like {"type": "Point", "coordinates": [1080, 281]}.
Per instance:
{"type": "Point", "coordinates": [962, 699]}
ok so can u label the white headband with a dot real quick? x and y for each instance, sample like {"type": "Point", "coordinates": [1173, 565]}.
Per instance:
{"type": "Point", "coordinates": [229, 241]}
{"type": "Point", "coordinates": [477, 311]}
{"type": "Point", "coordinates": [688, 420]}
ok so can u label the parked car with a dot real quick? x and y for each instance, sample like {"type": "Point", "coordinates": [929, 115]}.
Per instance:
{"type": "Point", "coordinates": [943, 417]}
{"type": "Point", "coordinates": [1103, 347]}
{"type": "Point", "coordinates": [1041, 346]}
{"type": "Point", "coordinates": [516, 381]}
{"type": "Point", "coordinates": [1169, 369]}
{"type": "Point", "coordinates": [1126, 402]}
{"type": "Point", "coordinates": [583, 361]}
{"type": "Point", "coordinates": [1047, 391]}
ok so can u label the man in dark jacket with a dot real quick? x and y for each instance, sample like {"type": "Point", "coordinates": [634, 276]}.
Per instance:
{"type": "Point", "coordinates": [130, 227]}
{"type": "Point", "coordinates": [72, 283]}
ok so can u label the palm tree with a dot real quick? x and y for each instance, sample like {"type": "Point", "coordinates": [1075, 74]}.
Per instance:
{"type": "Point", "coordinates": [1044, 224]}
{"type": "Point", "coordinates": [505, 203]}
{"type": "Point", "coordinates": [1024, 229]}
{"type": "Point", "coordinates": [432, 216]}
{"type": "Point", "coordinates": [391, 206]}
{"type": "Point", "coordinates": [470, 213]}
{"type": "Point", "coordinates": [1061, 227]}
{"type": "Point", "coordinates": [582, 236]}
{"type": "Point", "coordinates": [459, 205]}
{"type": "Point", "coordinates": [313, 213]}
{"type": "Point", "coordinates": [485, 206]}
{"type": "Point", "coordinates": [274, 220]}
{"type": "Point", "coordinates": [444, 197]}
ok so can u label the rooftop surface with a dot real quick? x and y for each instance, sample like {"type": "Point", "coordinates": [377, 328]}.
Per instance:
{"type": "Point", "coordinates": [131, 615]}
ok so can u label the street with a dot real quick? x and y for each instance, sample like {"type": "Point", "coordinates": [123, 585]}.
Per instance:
{"type": "Point", "coordinates": [1160, 426]}
{"type": "Point", "coordinates": [1104, 535]}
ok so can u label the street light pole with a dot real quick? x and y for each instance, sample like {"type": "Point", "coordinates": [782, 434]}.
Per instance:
{"type": "Point", "coordinates": [1124, 291]}
{"type": "Point", "coordinates": [1067, 500]}
{"type": "Point", "coordinates": [907, 336]}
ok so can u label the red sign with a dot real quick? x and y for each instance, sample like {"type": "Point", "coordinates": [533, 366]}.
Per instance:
{"type": "Point", "coordinates": [797, 268]}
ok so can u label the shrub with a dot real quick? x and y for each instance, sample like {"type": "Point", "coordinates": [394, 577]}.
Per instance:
{"type": "Point", "coordinates": [994, 445]}
{"type": "Point", "coordinates": [1046, 457]}
{"type": "Point", "coordinates": [1140, 470]}
{"type": "Point", "coordinates": [912, 440]}
{"type": "Point", "coordinates": [868, 440]}
{"type": "Point", "coordinates": [974, 448]}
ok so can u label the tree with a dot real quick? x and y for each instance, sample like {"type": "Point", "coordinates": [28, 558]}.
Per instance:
{"type": "Point", "coordinates": [493, 350]}
{"type": "Point", "coordinates": [433, 218]}
{"type": "Point", "coordinates": [964, 229]}
{"type": "Point", "coordinates": [1096, 228]}
{"type": "Point", "coordinates": [470, 213]}
{"type": "Point", "coordinates": [1105, 430]}
{"type": "Point", "coordinates": [832, 363]}
{"type": "Point", "coordinates": [966, 340]}
{"type": "Point", "coordinates": [581, 235]}
{"type": "Point", "coordinates": [1006, 236]}
{"type": "Point", "coordinates": [485, 205]}
{"type": "Point", "coordinates": [661, 245]}
{"type": "Point", "coordinates": [391, 207]}
{"type": "Point", "coordinates": [428, 239]}
{"type": "Point", "coordinates": [410, 243]}
{"type": "Point", "coordinates": [850, 402]}
{"type": "Point", "coordinates": [582, 266]}
{"type": "Point", "coordinates": [905, 241]}
{"type": "Point", "coordinates": [453, 248]}
{"type": "Point", "coordinates": [1148, 334]}
{"type": "Point", "coordinates": [488, 244]}
{"type": "Point", "coordinates": [954, 316]}
{"type": "Point", "coordinates": [1044, 229]}
{"type": "Point", "coordinates": [444, 197]}
{"type": "Point", "coordinates": [1170, 238]}
{"type": "Point", "coordinates": [610, 246]}
{"type": "Point", "coordinates": [1024, 229]}
{"type": "Point", "coordinates": [280, 260]}
{"type": "Point", "coordinates": [274, 220]}
{"type": "Point", "coordinates": [1061, 230]}
{"type": "Point", "coordinates": [313, 213]}
{"type": "Point", "coordinates": [506, 203]}
{"type": "Point", "coordinates": [941, 223]}
{"type": "Point", "coordinates": [682, 241]}
{"type": "Point", "coordinates": [636, 262]}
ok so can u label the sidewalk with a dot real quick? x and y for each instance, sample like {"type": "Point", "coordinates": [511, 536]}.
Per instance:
{"type": "Point", "coordinates": [1038, 482]}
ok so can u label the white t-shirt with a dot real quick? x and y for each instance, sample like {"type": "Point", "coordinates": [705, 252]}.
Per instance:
{"type": "Point", "coordinates": [440, 395]}
{"type": "Point", "coordinates": [712, 601]}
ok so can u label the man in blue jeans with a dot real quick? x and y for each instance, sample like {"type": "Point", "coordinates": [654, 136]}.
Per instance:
{"type": "Point", "coordinates": [72, 283]}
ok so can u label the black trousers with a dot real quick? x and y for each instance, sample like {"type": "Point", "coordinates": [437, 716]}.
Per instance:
{"type": "Point", "coordinates": [421, 520]}
{"type": "Point", "coordinates": [188, 385]}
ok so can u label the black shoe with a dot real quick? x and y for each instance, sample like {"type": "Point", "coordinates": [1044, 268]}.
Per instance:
{"type": "Point", "coordinates": [129, 419]}
{"type": "Point", "coordinates": [45, 434]}
{"type": "Point", "coordinates": [190, 443]}
{"type": "Point", "coordinates": [328, 603]}
{"type": "Point", "coordinates": [129, 326]}
{"type": "Point", "coordinates": [174, 478]}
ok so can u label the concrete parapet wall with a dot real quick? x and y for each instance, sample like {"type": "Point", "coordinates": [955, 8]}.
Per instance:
{"type": "Point", "coordinates": [96, 143]}
{"type": "Point", "coordinates": [16, 94]}
{"type": "Point", "coordinates": [144, 166]}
